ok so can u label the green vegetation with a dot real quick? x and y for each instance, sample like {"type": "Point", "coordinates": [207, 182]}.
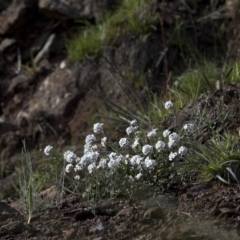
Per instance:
{"type": "Point", "coordinates": [132, 16]}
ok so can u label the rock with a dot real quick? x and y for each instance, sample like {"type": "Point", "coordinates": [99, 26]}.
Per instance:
{"type": "Point", "coordinates": [97, 226]}
{"type": "Point", "coordinates": [154, 213]}
{"type": "Point", "coordinates": [73, 9]}
{"type": "Point", "coordinates": [19, 82]}
{"type": "Point", "coordinates": [70, 234]}
{"type": "Point", "coordinates": [125, 212]}
{"type": "Point", "coordinates": [98, 238]}
{"type": "Point", "coordinates": [6, 209]}
{"type": "Point", "coordinates": [6, 44]}
{"type": "Point", "coordinates": [228, 212]}
{"type": "Point", "coordinates": [13, 18]}
{"type": "Point", "coordinates": [83, 215]}
{"type": "Point", "coordinates": [160, 201]}
{"type": "Point", "coordinates": [14, 227]}
{"type": "Point", "coordinates": [187, 196]}
{"type": "Point", "coordinates": [58, 94]}
{"type": "Point", "coordinates": [7, 127]}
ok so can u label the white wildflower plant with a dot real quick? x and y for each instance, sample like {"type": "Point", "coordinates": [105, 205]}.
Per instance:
{"type": "Point", "coordinates": [142, 156]}
{"type": "Point", "coordinates": [106, 167]}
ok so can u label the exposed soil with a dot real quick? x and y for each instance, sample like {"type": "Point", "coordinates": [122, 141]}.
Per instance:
{"type": "Point", "coordinates": [203, 212]}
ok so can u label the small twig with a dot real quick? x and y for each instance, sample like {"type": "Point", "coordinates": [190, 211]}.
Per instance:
{"type": "Point", "coordinates": [45, 48]}
{"type": "Point", "coordinates": [19, 61]}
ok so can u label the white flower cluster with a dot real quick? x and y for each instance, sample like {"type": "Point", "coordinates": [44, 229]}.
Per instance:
{"type": "Point", "coordinates": [182, 150]}
{"type": "Point", "coordinates": [98, 128]}
{"type": "Point", "coordinates": [160, 145]}
{"type": "Point", "coordinates": [168, 104]}
{"type": "Point", "coordinates": [147, 149]}
{"type": "Point", "coordinates": [189, 127]}
{"type": "Point", "coordinates": [124, 143]}
{"type": "Point", "coordinates": [152, 133]}
{"type": "Point", "coordinates": [47, 150]}
{"type": "Point", "coordinates": [166, 133]}
{"type": "Point", "coordinates": [136, 160]}
{"type": "Point", "coordinates": [172, 155]}
{"type": "Point", "coordinates": [150, 163]}
{"type": "Point", "coordinates": [140, 153]}
{"type": "Point", "coordinates": [173, 140]}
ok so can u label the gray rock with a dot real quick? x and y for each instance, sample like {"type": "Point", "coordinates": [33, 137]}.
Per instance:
{"type": "Point", "coordinates": [6, 209]}
{"type": "Point", "coordinates": [14, 227]}
{"type": "Point", "coordinates": [73, 9]}
{"type": "Point", "coordinates": [7, 127]}
{"type": "Point", "coordinates": [57, 92]}
{"type": "Point", "coordinates": [154, 213]}
{"type": "Point", "coordinates": [160, 201]}
{"type": "Point", "coordinates": [13, 17]}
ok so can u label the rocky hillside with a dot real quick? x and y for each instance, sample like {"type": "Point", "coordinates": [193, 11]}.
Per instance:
{"type": "Point", "coordinates": [45, 96]}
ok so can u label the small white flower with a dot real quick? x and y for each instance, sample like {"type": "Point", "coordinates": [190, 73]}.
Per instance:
{"type": "Point", "coordinates": [138, 176]}
{"type": "Point", "coordinates": [91, 167]}
{"type": "Point", "coordinates": [149, 163]}
{"type": "Point", "coordinates": [160, 145]}
{"type": "Point", "coordinates": [172, 143]}
{"type": "Point", "coordinates": [112, 164]}
{"type": "Point", "coordinates": [133, 123]}
{"type": "Point", "coordinates": [69, 156]}
{"type": "Point", "coordinates": [89, 157]}
{"type": "Point", "coordinates": [68, 167]}
{"type": "Point", "coordinates": [47, 150]}
{"type": "Point", "coordinates": [102, 163]}
{"type": "Point", "coordinates": [174, 137]}
{"type": "Point", "coordinates": [136, 160]}
{"type": "Point", "coordinates": [90, 148]}
{"type": "Point", "coordinates": [168, 104]}
{"type": "Point", "coordinates": [90, 139]}
{"type": "Point", "coordinates": [189, 127]}
{"type": "Point", "coordinates": [98, 128]}
{"type": "Point", "coordinates": [135, 143]}
{"type": "Point", "coordinates": [131, 129]}
{"type": "Point", "coordinates": [182, 150]}
{"type": "Point", "coordinates": [78, 167]}
{"type": "Point", "coordinates": [172, 155]}
{"type": "Point", "coordinates": [152, 133]}
{"type": "Point", "coordinates": [166, 133]}
{"type": "Point", "coordinates": [147, 149]}
{"type": "Point", "coordinates": [115, 159]}
{"type": "Point", "coordinates": [77, 177]}
{"type": "Point", "coordinates": [124, 143]}
{"type": "Point", "coordinates": [103, 141]}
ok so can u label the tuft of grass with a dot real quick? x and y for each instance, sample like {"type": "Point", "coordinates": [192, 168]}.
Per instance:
{"type": "Point", "coordinates": [132, 16]}
{"type": "Point", "coordinates": [219, 159]}
{"type": "Point", "coordinates": [87, 43]}
{"type": "Point", "coordinates": [28, 188]}
{"type": "Point", "coordinates": [232, 73]}
{"type": "Point", "coordinates": [198, 80]}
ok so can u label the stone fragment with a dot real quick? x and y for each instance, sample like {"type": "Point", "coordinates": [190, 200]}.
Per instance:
{"type": "Point", "coordinates": [6, 127]}
{"type": "Point", "coordinates": [125, 212]}
{"type": "Point", "coordinates": [160, 201]}
{"type": "Point", "coordinates": [154, 213]}
{"type": "Point", "coordinates": [13, 17]}
{"type": "Point", "coordinates": [14, 227]}
{"type": "Point", "coordinates": [73, 9]}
